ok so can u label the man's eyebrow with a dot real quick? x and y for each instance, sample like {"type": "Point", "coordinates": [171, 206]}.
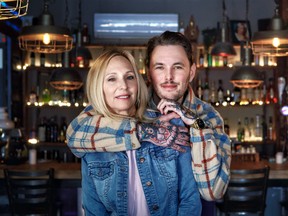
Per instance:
{"type": "Point", "coordinates": [157, 63]}
{"type": "Point", "coordinates": [178, 63]}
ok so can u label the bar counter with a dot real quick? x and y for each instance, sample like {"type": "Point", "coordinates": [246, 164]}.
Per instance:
{"type": "Point", "coordinates": [68, 174]}
{"type": "Point", "coordinates": [68, 181]}
{"type": "Point", "coordinates": [71, 171]}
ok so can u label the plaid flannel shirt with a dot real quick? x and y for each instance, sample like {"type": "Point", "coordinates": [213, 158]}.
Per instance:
{"type": "Point", "coordinates": [211, 150]}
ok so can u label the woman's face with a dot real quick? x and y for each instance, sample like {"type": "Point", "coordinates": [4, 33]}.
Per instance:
{"type": "Point", "coordinates": [120, 86]}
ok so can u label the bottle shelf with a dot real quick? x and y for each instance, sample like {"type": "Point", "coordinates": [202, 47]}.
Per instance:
{"type": "Point", "coordinates": [57, 104]}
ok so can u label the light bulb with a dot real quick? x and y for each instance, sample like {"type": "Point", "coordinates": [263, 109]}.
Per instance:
{"type": "Point", "coordinates": [46, 38]}
{"type": "Point", "coordinates": [276, 42]}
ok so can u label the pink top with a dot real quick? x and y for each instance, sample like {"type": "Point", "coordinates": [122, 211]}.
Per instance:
{"type": "Point", "coordinates": [137, 205]}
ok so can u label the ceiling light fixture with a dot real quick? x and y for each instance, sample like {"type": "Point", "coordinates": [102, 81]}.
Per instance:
{"type": "Point", "coordinates": [45, 37]}
{"type": "Point", "coordinates": [80, 54]}
{"type": "Point", "coordinates": [246, 76]}
{"type": "Point", "coordinates": [66, 78]}
{"type": "Point", "coordinates": [223, 47]}
{"type": "Point", "coordinates": [273, 42]}
{"type": "Point", "coordinates": [13, 8]}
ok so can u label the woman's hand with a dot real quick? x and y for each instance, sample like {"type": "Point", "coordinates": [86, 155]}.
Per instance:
{"type": "Point", "coordinates": [166, 106]}
{"type": "Point", "coordinates": [164, 134]}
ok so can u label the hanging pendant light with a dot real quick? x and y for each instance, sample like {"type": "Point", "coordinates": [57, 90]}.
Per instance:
{"type": "Point", "coordinates": [246, 76]}
{"type": "Point", "coordinates": [80, 54]}
{"type": "Point", "coordinates": [13, 8]}
{"type": "Point", "coordinates": [273, 42]}
{"type": "Point", "coordinates": [223, 47]}
{"type": "Point", "coordinates": [66, 78]}
{"type": "Point", "coordinates": [45, 37]}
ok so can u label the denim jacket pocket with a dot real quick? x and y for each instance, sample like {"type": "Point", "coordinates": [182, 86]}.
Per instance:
{"type": "Point", "coordinates": [166, 160]}
{"type": "Point", "coordinates": [101, 170]}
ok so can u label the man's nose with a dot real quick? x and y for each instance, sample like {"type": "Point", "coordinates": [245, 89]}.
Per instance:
{"type": "Point", "coordinates": [169, 74]}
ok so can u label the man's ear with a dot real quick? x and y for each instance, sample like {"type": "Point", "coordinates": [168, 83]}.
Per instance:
{"type": "Point", "coordinates": [192, 72]}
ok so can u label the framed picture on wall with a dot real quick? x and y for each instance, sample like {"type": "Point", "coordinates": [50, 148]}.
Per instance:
{"type": "Point", "coordinates": [240, 31]}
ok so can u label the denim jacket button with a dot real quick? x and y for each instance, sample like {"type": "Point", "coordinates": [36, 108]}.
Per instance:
{"type": "Point", "coordinates": [155, 207]}
{"type": "Point", "coordinates": [149, 183]}
{"type": "Point", "coordinates": [142, 160]}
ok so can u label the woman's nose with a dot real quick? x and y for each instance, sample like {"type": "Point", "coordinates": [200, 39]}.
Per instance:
{"type": "Point", "coordinates": [123, 84]}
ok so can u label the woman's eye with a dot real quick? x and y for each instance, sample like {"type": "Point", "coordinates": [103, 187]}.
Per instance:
{"type": "Point", "coordinates": [131, 77]}
{"type": "Point", "coordinates": [111, 79]}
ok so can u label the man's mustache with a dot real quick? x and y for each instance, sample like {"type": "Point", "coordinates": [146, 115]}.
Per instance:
{"type": "Point", "coordinates": [169, 82]}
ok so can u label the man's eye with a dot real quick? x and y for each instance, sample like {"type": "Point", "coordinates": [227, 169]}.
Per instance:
{"type": "Point", "coordinates": [178, 67]}
{"type": "Point", "coordinates": [159, 68]}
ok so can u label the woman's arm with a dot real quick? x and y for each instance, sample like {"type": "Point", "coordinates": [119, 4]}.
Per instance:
{"type": "Point", "coordinates": [91, 202]}
{"type": "Point", "coordinates": [90, 132]}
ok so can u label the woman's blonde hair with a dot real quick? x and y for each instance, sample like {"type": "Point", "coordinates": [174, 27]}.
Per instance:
{"type": "Point", "coordinates": [95, 79]}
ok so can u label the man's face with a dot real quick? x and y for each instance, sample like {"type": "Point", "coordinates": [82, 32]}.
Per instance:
{"type": "Point", "coordinates": [170, 72]}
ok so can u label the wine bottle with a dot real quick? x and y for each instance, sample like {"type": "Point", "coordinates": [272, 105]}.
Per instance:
{"type": "Point", "coordinates": [200, 89]}
{"type": "Point", "coordinates": [220, 92]}
{"type": "Point", "coordinates": [206, 91]}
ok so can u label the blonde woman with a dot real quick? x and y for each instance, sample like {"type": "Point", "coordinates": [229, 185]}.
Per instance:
{"type": "Point", "coordinates": [152, 180]}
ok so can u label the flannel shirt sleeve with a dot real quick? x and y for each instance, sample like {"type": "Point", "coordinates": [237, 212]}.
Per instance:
{"type": "Point", "coordinates": [90, 132]}
{"type": "Point", "coordinates": [211, 154]}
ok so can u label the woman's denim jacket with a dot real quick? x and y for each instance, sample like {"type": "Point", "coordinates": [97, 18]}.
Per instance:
{"type": "Point", "coordinates": [166, 176]}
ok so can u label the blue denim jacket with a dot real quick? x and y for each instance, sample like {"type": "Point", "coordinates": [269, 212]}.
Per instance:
{"type": "Point", "coordinates": [166, 176]}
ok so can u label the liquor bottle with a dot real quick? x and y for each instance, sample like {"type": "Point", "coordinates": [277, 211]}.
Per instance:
{"type": "Point", "coordinates": [225, 61]}
{"type": "Point", "coordinates": [200, 89]}
{"type": "Point", "coordinates": [271, 94]}
{"type": "Point", "coordinates": [141, 64]}
{"type": "Point", "coordinates": [270, 129]}
{"type": "Point", "coordinates": [236, 95]}
{"type": "Point", "coordinates": [54, 130]}
{"type": "Point", "coordinates": [244, 100]}
{"type": "Point", "coordinates": [226, 127]}
{"type": "Point", "coordinates": [32, 59]}
{"type": "Point", "coordinates": [250, 95]}
{"type": "Point", "coordinates": [33, 97]}
{"type": "Point", "coordinates": [46, 95]}
{"type": "Point", "coordinates": [220, 92]}
{"type": "Point", "coordinates": [216, 61]}
{"type": "Point", "coordinates": [181, 28]}
{"type": "Point", "coordinates": [228, 98]}
{"type": "Point", "coordinates": [213, 93]}
{"type": "Point", "coordinates": [240, 132]}
{"type": "Point", "coordinates": [48, 131]}
{"type": "Point", "coordinates": [258, 131]}
{"type": "Point", "coordinates": [42, 130]}
{"type": "Point", "coordinates": [42, 60]}
{"type": "Point", "coordinates": [264, 92]}
{"type": "Point", "coordinates": [209, 60]}
{"type": "Point", "coordinates": [252, 129]}
{"type": "Point", "coordinates": [201, 58]}
{"type": "Point", "coordinates": [206, 91]}
{"type": "Point", "coordinates": [264, 128]}
{"type": "Point", "coordinates": [62, 131]}
{"type": "Point", "coordinates": [248, 133]}
{"type": "Point", "coordinates": [85, 34]}
{"type": "Point", "coordinates": [257, 96]}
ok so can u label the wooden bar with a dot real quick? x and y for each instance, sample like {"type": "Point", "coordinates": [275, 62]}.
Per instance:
{"type": "Point", "coordinates": [72, 171]}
